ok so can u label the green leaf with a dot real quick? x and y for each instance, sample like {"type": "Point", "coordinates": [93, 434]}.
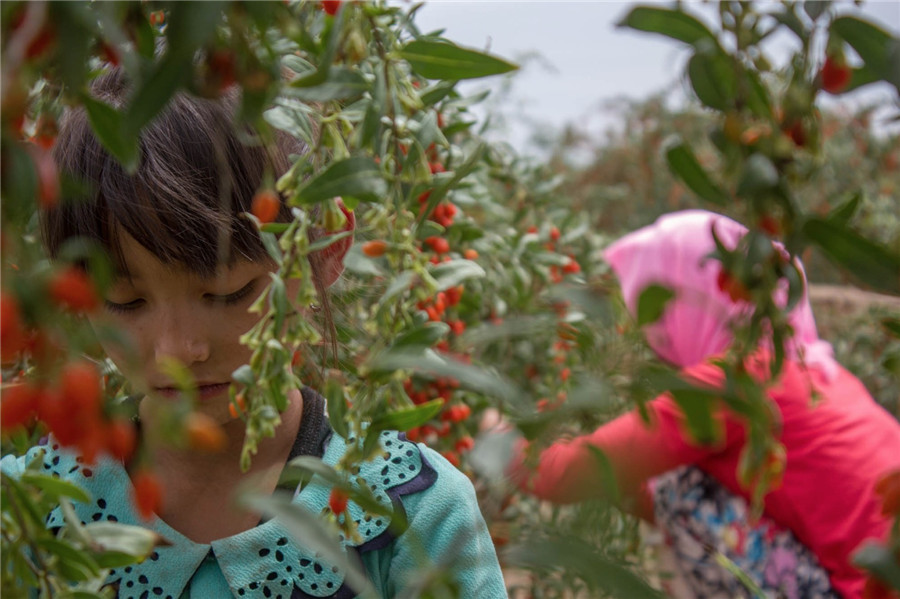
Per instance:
{"type": "Point", "coordinates": [879, 50]}
{"type": "Point", "coordinates": [291, 118]}
{"type": "Point", "coordinates": [759, 176]}
{"type": "Point", "coordinates": [309, 529]}
{"type": "Point", "coordinates": [106, 122]}
{"type": "Point", "coordinates": [443, 60]}
{"type": "Point", "coordinates": [841, 215]}
{"type": "Point", "coordinates": [340, 84]}
{"type": "Point", "coordinates": [880, 560]}
{"type": "Point", "coordinates": [652, 303]}
{"type": "Point", "coordinates": [425, 336]}
{"type": "Point", "coordinates": [244, 375]}
{"type": "Point", "coordinates": [407, 418]}
{"type": "Point", "coordinates": [75, 564]}
{"type": "Point", "coordinates": [870, 262]}
{"type": "Point", "coordinates": [154, 92]}
{"type": "Point", "coordinates": [336, 401]}
{"type": "Point", "coordinates": [429, 363]}
{"type": "Point", "coordinates": [686, 167]}
{"type": "Point", "coordinates": [130, 542]}
{"type": "Point", "coordinates": [357, 177]}
{"type": "Point", "coordinates": [55, 488]}
{"type": "Point", "coordinates": [672, 23]}
{"type": "Point", "coordinates": [712, 79]}
{"type": "Point", "coordinates": [450, 274]}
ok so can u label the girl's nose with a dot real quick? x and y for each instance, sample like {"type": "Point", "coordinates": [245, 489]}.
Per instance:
{"type": "Point", "coordinates": [182, 339]}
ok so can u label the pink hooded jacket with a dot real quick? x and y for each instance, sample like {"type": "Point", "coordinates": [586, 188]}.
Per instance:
{"type": "Point", "coordinates": [836, 449]}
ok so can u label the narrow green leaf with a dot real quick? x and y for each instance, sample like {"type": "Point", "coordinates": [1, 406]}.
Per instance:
{"type": "Point", "coordinates": [154, 92]}
{"type": "Point", "coordinates": [336, 401]}
{"type": "Point", "coordinates": [686, 167]}
{"type": "Point", "coordinates": [450, 274]}
{"type": "Point", "coordinates": [713, 80]}
{"type": "Point", "coordinates": [55, 487]}
{"type": "Point", "coordinates": [652, 303]}
{"type": "Point", "coordinates": [425, 336]}
{"type": "Point", "coordinates": [443, 60]}
{"type": "Point", "coordinates": [77, 564]}
{"type": "Point", "coordinates": [340, 84]}
{"type": "Point", "coordinates": [309, 530]}
{"type": "Point", "coordinates": [358, 177]}
{"type": "Point", "coordinates": [106, 122]}
{"type": "Point", "coordinates": [843, 213]}
{"type": "Point", "coordinates": [879, 50]}
{"type": "Point", "coordinates": [673, 23]}
{"type": "Point", "coordinates": [407, 418]}
{"type": "Point", "coordinates": [291, 117]}
{"type": "Point", "coordinates": [870, 262]}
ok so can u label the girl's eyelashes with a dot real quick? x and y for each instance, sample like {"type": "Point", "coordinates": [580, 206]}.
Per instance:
{"type": "Point", "coordinates": [122, 308]}
{"type": "Point", "coordinates": [237, 296]}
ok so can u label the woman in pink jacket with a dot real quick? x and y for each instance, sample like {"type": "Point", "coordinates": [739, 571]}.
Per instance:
{"type": "Point", "coordinates": [838, 441]}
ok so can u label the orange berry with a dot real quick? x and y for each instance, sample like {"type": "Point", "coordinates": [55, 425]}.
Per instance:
{"type": "Point", "coordinates": [12, 331]}
{"type": "Point", "coordinates": [266, 205]}
{"type": "Point", "coordinates": [238, 406]}
{"type": "Point", "coordinates": [470, 254]}
{"type": "Point", "coordinates": [157, 17]}
{"type": "Point", "coordinates": [330, 6]}
{"type": "Point", "coordinates": [148, 493]}
{"type": "Point", "coordinates": [204, 434]}
{"type": "Point", "coordinates": [375, 248]}
{"type": "Point", "coordinates": [18, 405]}
{"type": "Point", "coordinates": [72, 289]}
{"type": "Point", "coordinates": [337, 501]}
{"type": "Point", "coordinates": [121, 439]}
{"type": "Point", "coordinates": [835, 75]}
{"type": "Point", "coordinates": [438, 244]}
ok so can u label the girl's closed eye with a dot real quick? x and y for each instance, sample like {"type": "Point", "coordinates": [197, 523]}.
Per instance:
{"type": "Point", "coordinates": [235, 297]}
{"type": "Point", "coordinates": [122, 308]}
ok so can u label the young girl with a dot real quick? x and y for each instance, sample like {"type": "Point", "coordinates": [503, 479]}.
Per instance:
{"type": "Point", "coordinates": [837, 444]}
{"type": "Point", "coordinates": [189, 266]}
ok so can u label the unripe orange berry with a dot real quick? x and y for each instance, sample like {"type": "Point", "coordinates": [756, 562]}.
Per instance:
{"type": "Point", "coordinates": [337, 501]}
{"type": "Point", "coordinates": [470, 254]}
{"type": "Point", "coordinates": [265, 206]}
{"type": "Point", "coordinates": [204, 434]}
{"type": "Point", "coordinates": [148, 493]}
{"type": "Point", "coordinates": [375, 248]}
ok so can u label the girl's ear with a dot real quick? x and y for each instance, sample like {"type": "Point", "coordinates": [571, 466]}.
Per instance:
{"type": "Point", "coordinates": [330, 260]}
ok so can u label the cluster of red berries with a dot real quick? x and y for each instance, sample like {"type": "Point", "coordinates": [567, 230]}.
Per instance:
{"type": "Point", "coordinates": [570, 267]}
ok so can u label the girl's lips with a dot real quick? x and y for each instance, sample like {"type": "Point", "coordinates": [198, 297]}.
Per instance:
{"type": "Point", "coordinates": [204, 392]}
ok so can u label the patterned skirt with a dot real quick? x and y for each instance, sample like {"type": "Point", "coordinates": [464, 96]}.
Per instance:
{"type": "Point", "coordinates": [721, 554]}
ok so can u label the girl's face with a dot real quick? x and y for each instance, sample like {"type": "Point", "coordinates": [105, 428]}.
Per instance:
{"type": "Point", "coordinates": [171, 313]}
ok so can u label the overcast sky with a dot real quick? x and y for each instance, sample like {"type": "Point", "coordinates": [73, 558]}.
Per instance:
{"type": "Point", "coordinates": [579, 60]}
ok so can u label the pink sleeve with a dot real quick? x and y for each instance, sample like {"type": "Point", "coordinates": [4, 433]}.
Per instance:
{"type": "Point", "coordinates": [568, 471]}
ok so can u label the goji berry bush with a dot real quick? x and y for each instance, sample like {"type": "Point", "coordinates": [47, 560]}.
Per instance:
{"type": "Point", "coordinates": [474, 281]}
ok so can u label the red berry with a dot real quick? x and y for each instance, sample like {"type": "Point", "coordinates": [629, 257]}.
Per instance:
{"type": "Point", "coordinates": [157, 17]}
{"type": "Point", "coordinates": [40, 43]}
{"type": "Point", "coordinates": [73, 289]}
{"type": "Point", "coordinates": [109, 53]}
{"type": "Point", "coordinates": [770, 225]}
{"type": "Point", "coordinates": [436, 167]}
{"type": "Point", "coordinates": [452, 457]}
{"type": "Point", "coordinates": [571, 267]}
{"type": "Point", "coordinates": [732, 287]}
{"type": "Point", "coordinates": [374, 248]}
{"type": "Point", "coordinates": [554, 233]}
{"type": "Point", "coordinates": [18, 405]}
{"type": "Point", "coordinates": [12, 331]}
{"type": "Point", "coordinates": [438, 244]}
{"type": "Point", "coordinates": [835, 75]}
{"type": "Point", "coordinates": [121, 438]}
{"type": "Point", "coordinates": [148, 493]}
{"type": "Point", "coordinates": [331, 6]}
{"type": "Point", "coordinates": [337, 501]}
{"type": "Point", "coordinates": [79, 383]}
{"type": "Point", "coordinates": [265, 206]}
{"type": "Point", "coordinates": [797, 134]}
{"type": "Point", "coordinates": [465, 444]}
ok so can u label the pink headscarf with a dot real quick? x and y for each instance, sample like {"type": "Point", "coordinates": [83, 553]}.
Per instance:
{"type": "Point", "coordinates": [672, 252]}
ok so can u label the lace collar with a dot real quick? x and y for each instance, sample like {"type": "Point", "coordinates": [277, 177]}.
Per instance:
{"type": "Point", "coordinates": [261, 563]}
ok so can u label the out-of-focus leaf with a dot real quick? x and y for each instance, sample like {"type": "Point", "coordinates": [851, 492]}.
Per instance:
{"type": "Point", "coordinates": [106, 122]}
{"type": "Point", "coordinates": [686, 167]}
{"type": "Point", "coordinates": [132, 543]}
{"type": "Point", "coordinates": [55, 488]}
{"type": "Point", "coordinates": [336, 401]}
{"type": "Point", "coordinates": [442, 60]}
{"type": "Point", "coordinates": [843, 213]}
{"type": "Point", "coordinates": [153, 92]}
{"type": "Point", "coordinates": [713, 79]}
{"type": "Point", "coordinates": [580, 559]}
{"type": "Point", "coordinates": [357, 177]}
{"type": "Point", "coordinates": [759, 176]}
{"type": "Point", "coordinates": [652, 303]}
{"type": "Point", "coordinates": [672, 23]}
{"type": "Point", "coordinates": [879, 50]}
{"type": "Point", "coordinates": [429, 363]}
{"type": "Point", "coordinates": [308, 528]}
{"type": "Point", "coordinates": [407, 418]}
{"type": "Point", "coordinates": [870, 262]}
{"type": "Point", "coordinates": [881, 560]}
{"type": "Point", "coordinates": [815, 8]}
{"type": "Point", "coordinates": [892, 326]}
{"type": "Point", "coordinates": [424, 336]}
{"type": "Point", "coordinates": [450, 274]}
{"type": "Point", "coordinates": [340, 84]}
{"type": "Point", "coordinates": [75, 564]}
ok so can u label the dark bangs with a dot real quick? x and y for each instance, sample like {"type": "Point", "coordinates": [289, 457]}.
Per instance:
{"type": "Point", "coordinates": [184, 203]}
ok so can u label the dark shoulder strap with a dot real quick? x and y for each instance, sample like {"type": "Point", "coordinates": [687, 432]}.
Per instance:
{"type": "Point", "coordinates": [314, 427]}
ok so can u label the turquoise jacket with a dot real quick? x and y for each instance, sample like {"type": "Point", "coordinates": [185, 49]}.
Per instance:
{"type": "Point", "coordinates": [445, 530]}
